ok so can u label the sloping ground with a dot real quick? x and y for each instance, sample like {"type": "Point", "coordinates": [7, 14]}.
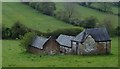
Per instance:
{"type": "Point", "coordinates": [87, 12]}
{"type": "Point", "coordinates": [29, 17]}
{"type": "Point", "coordinates": [114, 9]}
{"type": "Point", "coordinates": [15, 56]}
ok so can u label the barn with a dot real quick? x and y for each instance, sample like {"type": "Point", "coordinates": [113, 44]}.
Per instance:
{"type": "Point", "coordinates": [92, 41]}
{"type": "Point", "coordinates": [41, 45]}
{"type": "Point", "coordinates": [65, 43]}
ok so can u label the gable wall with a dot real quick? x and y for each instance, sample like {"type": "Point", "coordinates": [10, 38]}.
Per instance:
{"type": "Point", "coordinates": [52, 47]}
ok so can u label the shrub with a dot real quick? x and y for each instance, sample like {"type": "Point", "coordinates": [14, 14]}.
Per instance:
{"type": "Point", "coordinates": [89, 22]}
{"type": "Point", "coordinates": [18, 30]}
{"type": "Point", "coordinates": [6, 32]}
{"type": "Point", "coordinates": [26, 39]}
{"type": "Point", "coordinates": [43, 7]}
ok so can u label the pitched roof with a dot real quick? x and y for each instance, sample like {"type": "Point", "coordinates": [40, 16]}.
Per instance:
{"type": "Point", "coordinates": [65, 40]}
{"type": "Point", "coordinates": [38, 42]}
{"type": "Point", "coordinates": [98, 34]}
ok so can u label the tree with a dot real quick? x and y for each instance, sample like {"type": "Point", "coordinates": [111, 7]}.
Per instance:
{"type": "Point", "coordinates": [90, 22]}
{"type": "Point", "coordinates": [46, 7]}
{"type": "Point", "coordinates": [18, 30]}
{"type": "Point", "coordinates": [69, 10]}
{"type": "Point", "coordinates": [105, 6]}
{"type": "Point", "coordinates": [107, 23]}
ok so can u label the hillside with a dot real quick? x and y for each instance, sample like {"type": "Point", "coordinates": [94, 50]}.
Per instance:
{"type": "Point", "coordinates": [30, 17]}
{"type": "Point", "coordinates": [87, 12]}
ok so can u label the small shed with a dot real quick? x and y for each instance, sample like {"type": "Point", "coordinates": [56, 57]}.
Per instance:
{"type": "Point", "coordinates": [65, 43]}
{"type": "Point", "coordinates": [92, 41]}
{"type": "Point", "coordinates": [41, 45]}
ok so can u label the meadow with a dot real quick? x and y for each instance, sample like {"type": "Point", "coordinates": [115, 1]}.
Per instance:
{"type": "Point", "coordinates": [84, 12]}
{"type": "Point", "coordinates": [15, 56]}
{"type": "Point", "coordinates": [13, 12]}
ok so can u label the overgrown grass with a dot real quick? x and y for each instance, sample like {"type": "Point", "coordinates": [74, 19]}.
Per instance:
{"type": "Point", "coordinates": [13, 11]}
{"type": "Point", "coordinates": [15, 56]}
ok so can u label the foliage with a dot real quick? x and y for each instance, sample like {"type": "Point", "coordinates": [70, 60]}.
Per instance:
{"type": "Point", "coordinates": [89, 22]}
{"type": "Point", "coordinates": [44, 7]}
{"type": "Point", "coordinates": [107, 7]}
{"type": "Point", "coordinates": [27, 38]}
{"type": "Point", "coordinates": [18, 30]}
{"type": "Point", "coordinates": [108, 25]}
{"type": "Point", "coordinates": [6, 32]}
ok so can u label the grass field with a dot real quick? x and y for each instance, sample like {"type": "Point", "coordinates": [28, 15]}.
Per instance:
{"type": "Point", "coordinates": [87, 12]}
{"type": "Point", "coordinates": [0, 53]}
{"type": "Point", "coordinates": [14, 56]}
{"type": "Point", "coordinates": [29, 17]}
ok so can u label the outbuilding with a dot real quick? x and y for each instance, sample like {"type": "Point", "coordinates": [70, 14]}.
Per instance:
{"type": "Point", "coordinates": [41, 45]}
{"type": "Point", "coordinates": [92, 41]}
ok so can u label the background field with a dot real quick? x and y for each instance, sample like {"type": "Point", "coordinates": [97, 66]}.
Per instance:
{"type": "Point", "coordinates": [14, 55]}
{"type": "Point", "coordinates": [30, 17]}
{"type": "Point", "coordinates": [87, 12]}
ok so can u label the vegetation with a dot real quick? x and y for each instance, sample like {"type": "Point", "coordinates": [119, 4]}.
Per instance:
{"type": "Point", "coordinates": [19, 58]}
{"type": "Point", "coordinates": [26, 40]}
{"type": "Point", "coordinates": [18, 30]}
{"type": "Point", "coordinates": [13, 12]}
{"type": "Point", "coordinates": [43, 7]}
{"type": "Point", "coordinates": [89, 22]}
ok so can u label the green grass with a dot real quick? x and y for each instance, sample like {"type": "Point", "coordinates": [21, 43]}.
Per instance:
{"type": "Point", "coordinates": [14, 56]}
{"type": "Point", "coordinates": [114, 9]}
{"type": "Point", "coordinates": [87, 12]}
{"type": "Point", "coordinates": [0, 53]}
{"type": "Point", "coordinates": [13, 11]}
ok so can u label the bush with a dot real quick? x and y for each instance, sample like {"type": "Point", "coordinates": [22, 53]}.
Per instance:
{"type": "Point", "coordinates": [18, 30]}
{"type": "Point", "coordinates": [89, 22]}
{"type": "Point", "coordinates": [6, 32]}
{"type": "Point", "coordinates": [43, 7]}
{"type": "Point", "coordinates": [26, 39]}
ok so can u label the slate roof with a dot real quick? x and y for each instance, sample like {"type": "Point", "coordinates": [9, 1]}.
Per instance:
{"type": "Point", "coordinates": [98, 34]}
{"type": "Point", "coordinates": [38, 42]}
{"type": "Point", "coordinates": [64, 40]}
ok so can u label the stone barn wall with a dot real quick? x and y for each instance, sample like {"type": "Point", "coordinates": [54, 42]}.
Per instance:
{"type": "Point", "coordinates": [103, 47]}
{"type": "Point", "coordinates": [89, 46]}
{"type": "Point", "coordinates": [51, 47]}
{"type": "Point", "coordinates": [35, 50]}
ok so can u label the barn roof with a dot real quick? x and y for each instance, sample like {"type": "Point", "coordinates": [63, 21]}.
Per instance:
{"type": "Point", "coordinates": [64, 40]}
{"type": "Point", "coordinates": [38, 42]}
{"type": "Point", "coordinates": [98, 34]}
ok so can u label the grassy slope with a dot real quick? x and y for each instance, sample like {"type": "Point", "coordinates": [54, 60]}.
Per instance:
{"type": "Point", "coordinates": [14, 55]}
{"type": "Point", "coordinates": [31, 18]}
{"type": "Point", "coordinates": [87, 12]}
{"type": "Point", "coordinates": [114, 8]}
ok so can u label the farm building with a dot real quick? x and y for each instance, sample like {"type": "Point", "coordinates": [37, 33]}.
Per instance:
{"type": "Point", "coordinates": [65, 43]}
{"type": "Point", "coordinates": [41, 45]}
{"type": "Point", "coordinates": [92, 41]}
